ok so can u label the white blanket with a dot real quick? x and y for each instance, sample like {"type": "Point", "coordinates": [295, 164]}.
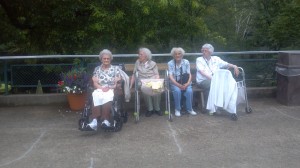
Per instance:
{"type": "Point", "coordinates": [100, 97]}
{"type": "Point", "coordinates": [125, 77]}
{"type": "Point", "coordinates": [223, 92]}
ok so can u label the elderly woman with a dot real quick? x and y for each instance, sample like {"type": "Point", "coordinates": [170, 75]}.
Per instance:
{"type": "Point", "coordinates": [207, 65]}
{"type": "Point", "coordinates": [105, 78]}
{"type": "Point", "coordinates": [147, 69]}
{"type": "Point", "coordinates": [180, 76]}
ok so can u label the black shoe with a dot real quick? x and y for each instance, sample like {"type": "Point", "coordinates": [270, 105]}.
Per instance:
{"type": "Point", "coordinates": [125, 117]}
{"type": "Point", "coordinates": [159, 112]}
{"type": "Point", "coordinates": [149, 113]}
{"type": "Point", "coordinates": [233, 117]}
{"type": "Point", "coordinates": [204, 111]}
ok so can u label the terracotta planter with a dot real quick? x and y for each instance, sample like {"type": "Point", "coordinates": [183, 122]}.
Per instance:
{"type": "Point", "coordinates": [76, 101]}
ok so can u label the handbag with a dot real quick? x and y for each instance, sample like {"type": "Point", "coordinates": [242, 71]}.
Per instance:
{"type": "Point", "coordinates": [184, 77]}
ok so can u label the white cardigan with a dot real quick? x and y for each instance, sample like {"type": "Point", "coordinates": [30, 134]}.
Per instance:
{"type": "Point", "coordinates": [127, 93]}
{"type": "Point", "coordinates": [223, 92]}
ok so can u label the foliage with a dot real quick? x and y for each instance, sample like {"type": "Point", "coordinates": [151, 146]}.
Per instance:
{"type": "Point", "coordinates": [284, 32]}
{"type": "Point", "coordinates": [74, 81]}
{"type": "Point", "coordinates": [81, 27]}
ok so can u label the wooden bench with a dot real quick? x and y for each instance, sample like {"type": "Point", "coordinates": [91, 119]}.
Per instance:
{"type": "Point", "coordinates": [198, 99]}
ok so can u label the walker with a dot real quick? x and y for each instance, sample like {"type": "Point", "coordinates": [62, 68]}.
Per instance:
{"type": "Point", "coordinates": [151, 87]}
{"type": "Point", "coordinates": [242, 91]}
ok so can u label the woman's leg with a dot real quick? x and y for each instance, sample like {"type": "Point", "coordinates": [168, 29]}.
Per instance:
{"type": "Point", "coordinates": [105, 111]}
{"type": "Point", "coordinates": [149, 103]}
{"type": "Point", "coordinates": [188, 98]}
{"type": "Point", "coordinates": [156, 103]}
{"type": "Point", "coordinates": [96, 112]}
{"type": "Point", "coordinates": [205, 85]}
{"type": "Point", "coordinates": [177, 97]}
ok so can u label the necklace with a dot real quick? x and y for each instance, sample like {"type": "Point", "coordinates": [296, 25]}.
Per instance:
{"type": "Point", "coordinates": [105, 67]}
{"type": "Point", "coordinates": [208, 65]}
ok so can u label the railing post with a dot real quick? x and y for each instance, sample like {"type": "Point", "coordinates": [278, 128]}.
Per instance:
{"type": "Point", "coordinates": [288, 78]}
{"type": "Point", "coordinates": [5, 77]}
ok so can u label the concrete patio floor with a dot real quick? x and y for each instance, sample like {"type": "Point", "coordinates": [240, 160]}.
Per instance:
{"type": "Point", "coordinates": [47, 136]}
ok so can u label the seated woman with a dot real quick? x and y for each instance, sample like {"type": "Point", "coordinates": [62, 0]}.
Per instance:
{"type": "Point", "coordinates": [207, 65]}
{"type": "Point", "coordinates": [180, 77]}
{"type": "Point", "coordinates": [105, 80]}
{"type": "Point", "coordinates": [147, 69]}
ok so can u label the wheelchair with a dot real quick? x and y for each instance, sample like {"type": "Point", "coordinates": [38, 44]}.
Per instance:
{"type": "Point", "coordinates": [118, 114]}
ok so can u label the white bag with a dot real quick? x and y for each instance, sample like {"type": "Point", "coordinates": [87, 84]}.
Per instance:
{"type": "Point", "coordinates": [152, 87]}
{"type": "Point", "coordinates": [241, 98]}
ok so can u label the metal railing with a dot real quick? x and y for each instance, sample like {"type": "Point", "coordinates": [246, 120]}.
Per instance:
{"type": "Point", "coordinates": [259, 66]}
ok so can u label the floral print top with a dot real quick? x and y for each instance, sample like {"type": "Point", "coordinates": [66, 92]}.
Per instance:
{"type": "Point", "coordinates": [107, 77]}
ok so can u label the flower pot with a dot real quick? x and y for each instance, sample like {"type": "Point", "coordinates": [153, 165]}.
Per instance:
{"type": "Point", "coordinates": [76, 101]}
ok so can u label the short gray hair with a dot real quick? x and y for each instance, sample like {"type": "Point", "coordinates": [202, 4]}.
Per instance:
{"type": "Point", "coordinates": [177, 49]}
{"type": "Point", "coordinates": [209, 47]}
{"type": "Point", "coordinates": [107, 52]}
{"type": "Point", "coordinates": [147, 52]}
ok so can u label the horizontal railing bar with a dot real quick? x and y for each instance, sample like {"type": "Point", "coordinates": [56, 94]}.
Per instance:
{"type": "Point", "coordinates": [46, 85]}
{"type": "Point", "coordinates": [131, 55]}
{"type": "Point", "coordinates": [24, 65]}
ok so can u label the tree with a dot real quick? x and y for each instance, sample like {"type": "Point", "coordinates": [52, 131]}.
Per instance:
{"type": "Point", "coordinates": [284, 31]}
{"type": "Point", "coordinates": [85, 27]}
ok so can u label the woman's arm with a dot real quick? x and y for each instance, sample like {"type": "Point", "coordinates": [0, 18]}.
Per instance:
{"type": "Point", "coordinates": [188, 82]}
{"type": "Point", "coordinates": [155, 71]}
{"type": "Point", "coordinates": [98, 86]}
{"type": "Point", "coordinates": [96, 83]}
{"type": "Point", "coordinates": [235, 68]}
{"type": "Point", "coordinates": [132, 80]}
{"type": "Point", "coordinates": [174, 81]}
{"type": "Point", "coordinates": [188, 70]}
{"type": "Point", "coordinates": [200, 69]}
{"type": "Point", "coordinates": [206, 75]}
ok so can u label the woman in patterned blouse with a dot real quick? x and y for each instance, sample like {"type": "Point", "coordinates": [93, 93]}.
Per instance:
{"type": "Point", "coordinates": [105, 80]}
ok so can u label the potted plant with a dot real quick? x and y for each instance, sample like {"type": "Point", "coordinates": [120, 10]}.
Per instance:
{"type": "Point", "coordinates": [74, 84]}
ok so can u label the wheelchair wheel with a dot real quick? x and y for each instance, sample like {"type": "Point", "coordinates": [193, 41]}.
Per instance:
{"type": "Point", "coordinates": [118, 121]}
{"type": "Point", "coordinates": [124, 115]}
{"type": "Point", "coordinates": [248, 109]}
{"type": "Point", "coordinates": [117, 124]}
{"type": "Point", "coordinates": [82, 124]}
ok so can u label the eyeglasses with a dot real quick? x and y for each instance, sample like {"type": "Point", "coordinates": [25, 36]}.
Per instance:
{"type": "Point", "coordinates": [105, 58]}
{"type": "Point", "coordinates": [204, 50]}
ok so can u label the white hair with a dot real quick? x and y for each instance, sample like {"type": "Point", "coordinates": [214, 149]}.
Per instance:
{"type": "Point", "coordinates": [209, 47]}
{"type": "Point", "coordinates": [107, 52]}
{"type": "Point", "coordinates": [177, 49]}
{"type": "Point", "coordinates": [147, 52]}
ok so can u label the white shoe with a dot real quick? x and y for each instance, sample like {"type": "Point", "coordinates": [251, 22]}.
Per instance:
{"type": "Point", "coordinates": [93, 124]}
{"type": "Point", "coordinates": [192, 112]}
{"type": "Point", "coordinates": [106, 123]}
{"type": "Point", "coordinates": [211, 113]}
{"type": "Point", "coordinates": [177, 113]}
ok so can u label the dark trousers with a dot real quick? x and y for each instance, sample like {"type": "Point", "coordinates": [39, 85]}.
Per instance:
{"type": "Point", "coordinates": [205, 85]}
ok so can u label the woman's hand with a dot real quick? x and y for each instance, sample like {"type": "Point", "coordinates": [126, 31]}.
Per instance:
{"type": "Point", "coordinates": [184, 86]}
{"type": "Point", "coordinates": [236, 70]}
{"type": "Point", "coordinates": [117, 79]}
{"type": "Point", "coordinates": [105, 89]}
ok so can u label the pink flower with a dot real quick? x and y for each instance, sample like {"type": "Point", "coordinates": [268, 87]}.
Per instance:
{"type": "Point", "coordinates": [60, 83]}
